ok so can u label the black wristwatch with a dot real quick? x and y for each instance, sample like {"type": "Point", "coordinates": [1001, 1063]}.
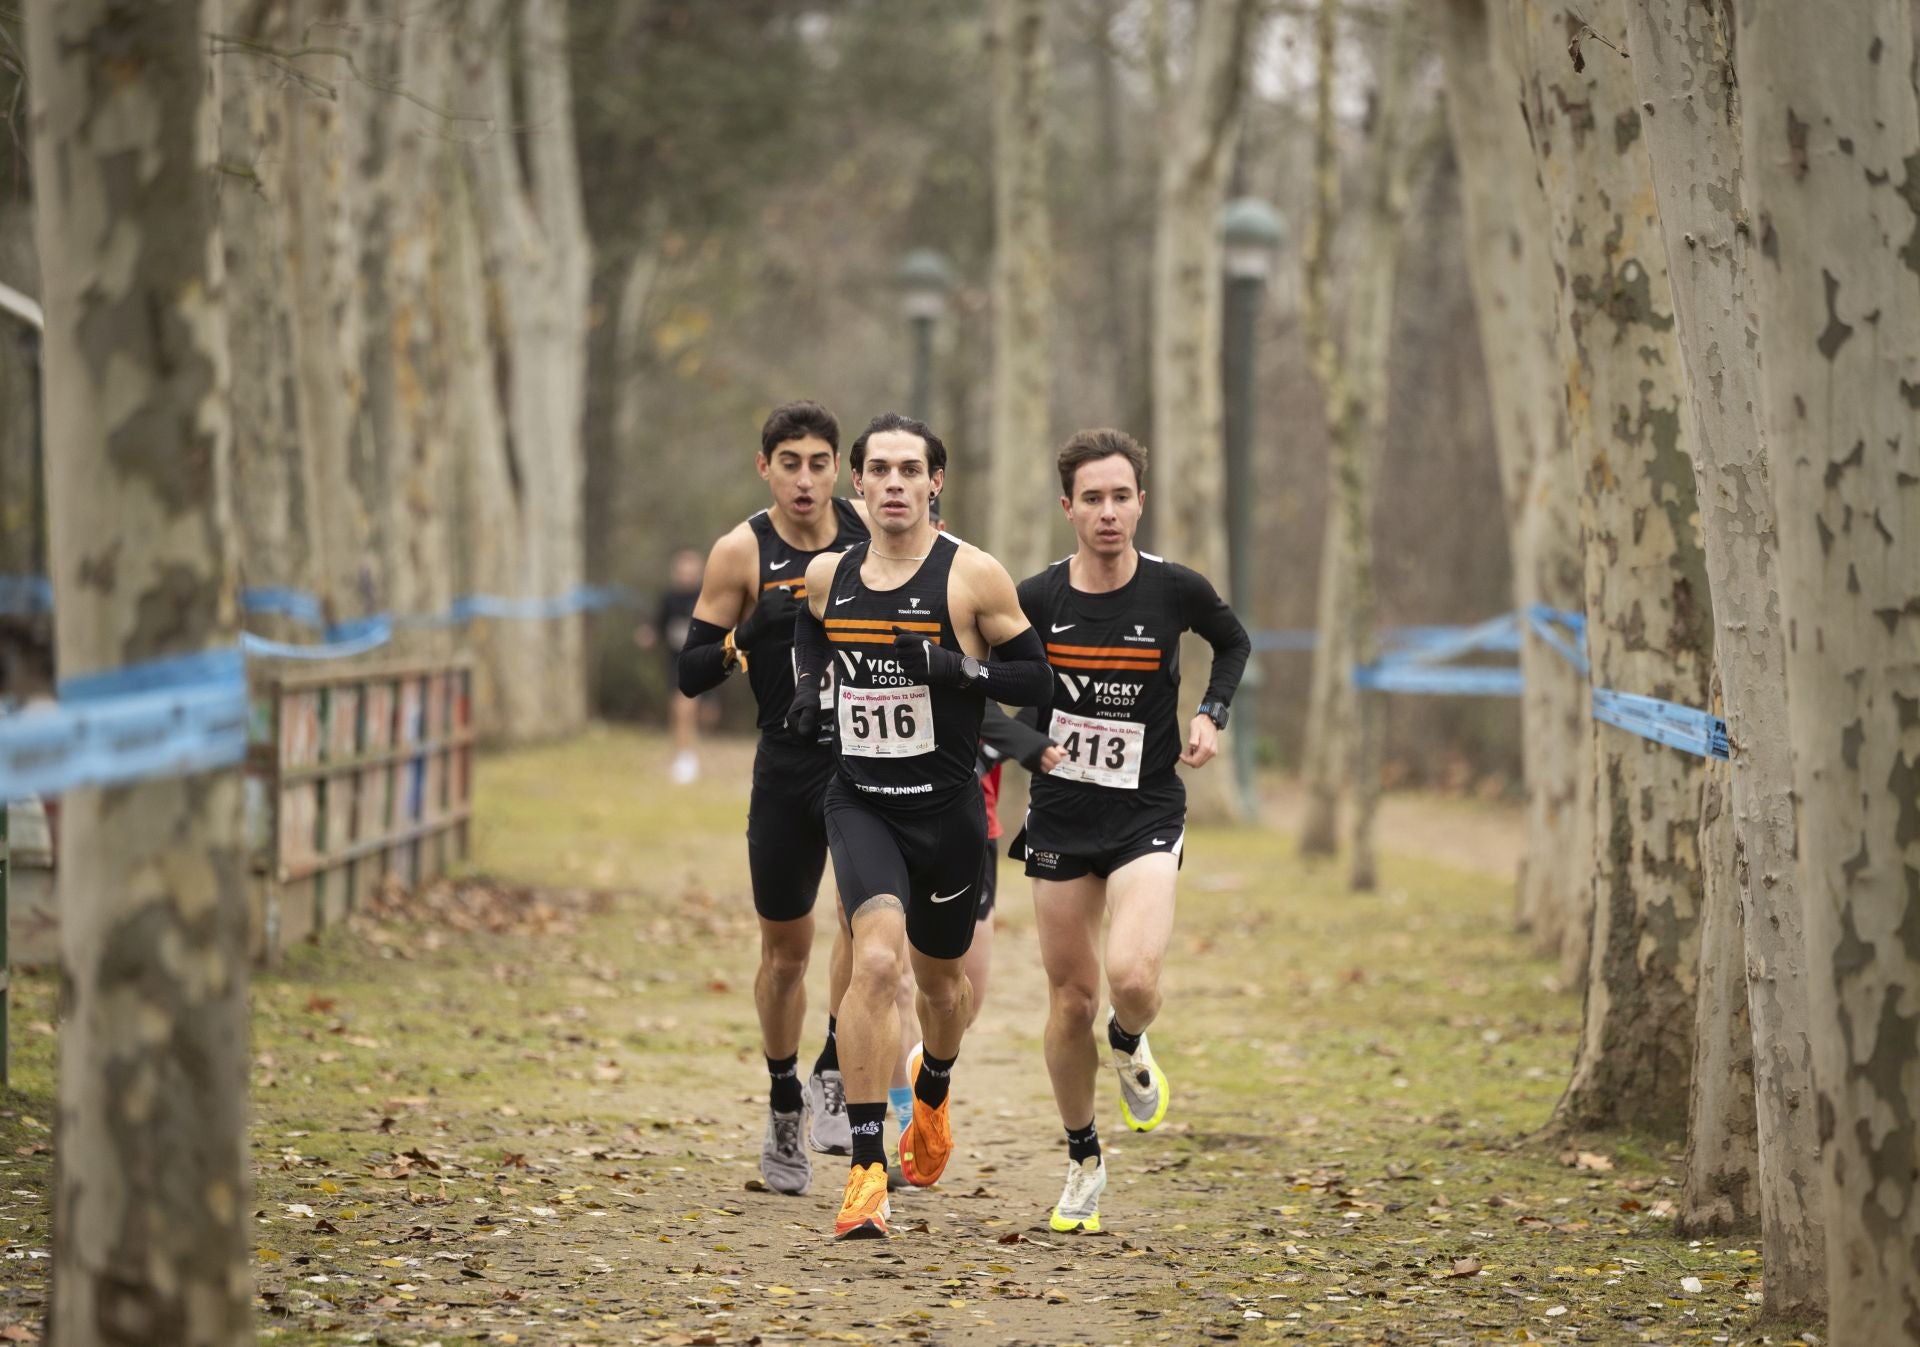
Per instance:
{"type": "Point", "coordinates": [1214, 711]}
{"type": "Point", "coordinates": [973, 669]}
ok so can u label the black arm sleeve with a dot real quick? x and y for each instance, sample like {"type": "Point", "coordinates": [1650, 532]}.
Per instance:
{"type": "Point", "coordinates": [1204, 612]}
{"type": "Point", "coordinates": [1003, 736]}
{"type": "Point", "coordinates": [1018, 673]}
{"type": "Point", "coordinates": [810, 648]}
{"type": "Point", "coordinates": [701, 664]}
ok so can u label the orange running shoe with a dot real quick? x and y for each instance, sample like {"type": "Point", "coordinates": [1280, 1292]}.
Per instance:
{"type": "Point", "coordinates": [864, 1211]}
{"type": "Point", "coordinates": [927, 1144]}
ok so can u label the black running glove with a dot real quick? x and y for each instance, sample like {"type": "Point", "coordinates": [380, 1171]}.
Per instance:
{"type": "Point", "coordinates": [771, 620]}
{"type": "Point", "coordinates": [803, 714]}
{"type": "Point", "coordinates": [928, 661]}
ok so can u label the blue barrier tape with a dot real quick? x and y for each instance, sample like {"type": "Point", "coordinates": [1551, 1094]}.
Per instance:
{"type": "Point", "coordinates": [165, 718]}
{"type": "Point", "coordinates": [1428, 680]}
{"type": "Point", "coordinates": [343, 642]}
{"type": "Point", "coordinates": [25, 595]}
{"type": "Point", "coordinates": [1676, 726]}
{"type": "Point", "coordinates": [1564, 632]}
{"type": "Point", "coordinates": [292, 603]}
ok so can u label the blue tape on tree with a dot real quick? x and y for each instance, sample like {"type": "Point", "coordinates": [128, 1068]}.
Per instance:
{"type": "Point", "coordinates": [343, 642]}
{"type": "Point", "coordinates": [25, 595]}
{"type": "Point", "coordinates": [1682, 727]}
{"type": "Point", "coordinates": [1565, 632]}
{"type": "Point", "coordinates": [292, 603]}
{"type": "Point", "coordinates": [168, 717]}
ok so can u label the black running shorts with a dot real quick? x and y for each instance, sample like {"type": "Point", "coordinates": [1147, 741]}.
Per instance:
{"type": "Point", "coordinates": [930, 861]}
{"type": "Point", "coordinates": [1070, 835]}
{"type": "Point", "coordinates": [786, 826]}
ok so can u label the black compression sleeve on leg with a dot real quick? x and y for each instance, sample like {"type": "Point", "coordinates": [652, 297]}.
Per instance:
{"type": "Point", "coordinates": [702, 666]}
{"type": "Point", "coordinates": [1019, 674]}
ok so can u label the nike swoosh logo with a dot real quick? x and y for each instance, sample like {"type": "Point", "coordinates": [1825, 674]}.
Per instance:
{"type": "Point", "coordinates": [849, 599]}
{"type": "Point", "coordinates": [1159, 841]}
{"type": "Point", "coordinates": [1068, 627]}
{"type": "Point", "coordinates": [951, 896]}
{"type": "Point", "coordinates": [776, 565]}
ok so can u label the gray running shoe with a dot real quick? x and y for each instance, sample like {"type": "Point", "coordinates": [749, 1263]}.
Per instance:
{"type": "Point", "coordinates": [830, 1132]}
{"type": "Point", "coordinates": [783, 1160]}
{"type": "Point", "coordinates": [1079, 1207]}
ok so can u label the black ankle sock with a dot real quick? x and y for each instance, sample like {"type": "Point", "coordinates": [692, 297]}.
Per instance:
{"type": "Point", "coordinates": [936, 1073]}
{"type": "Point", "coordinates": [1120, 1039]}
{"type": "Point", "coordinates": [829, 1058]}
{"type": "Point", "coordinates": [869, 1124]}
{"type": "Point", "coordinates": [785, 1094]}
{"type": "Point", "coordinates": [1083, 1142]}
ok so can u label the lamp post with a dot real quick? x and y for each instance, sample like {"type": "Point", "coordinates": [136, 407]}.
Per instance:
{"type": "Point", "coordinates": [1252, 232]}
{"type": "Point", "coordinates": [923, 278]}
{"type": "Point", "coordinates": [33, 323]}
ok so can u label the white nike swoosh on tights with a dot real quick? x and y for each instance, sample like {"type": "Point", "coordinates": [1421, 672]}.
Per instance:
{"type": "Point", "coordinates": [1068, 627]}
{"type": "Point", "coordinates": [951, 896]}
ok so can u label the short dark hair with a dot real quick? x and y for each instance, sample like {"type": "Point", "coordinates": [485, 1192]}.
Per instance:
{"type": "Point", "coordinates": [797, 421]}
{"type": "Point", "coordinates": [1088, 446]}
{"type": "Point", "coordinates": [936, 451]}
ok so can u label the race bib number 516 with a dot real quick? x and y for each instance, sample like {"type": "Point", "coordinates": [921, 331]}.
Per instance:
{"type": "Point", "coordinates": [886, 722]}
{"type": "Point", "coordinates": [1099, 752]}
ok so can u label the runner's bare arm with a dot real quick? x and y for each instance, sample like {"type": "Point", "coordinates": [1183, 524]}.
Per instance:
{"type": "Point", "coordinates": [988, 610]}
{"type": "Point", "coordinates": [820, 579]}
{"type": "Point", "coordinates": [726, 591]}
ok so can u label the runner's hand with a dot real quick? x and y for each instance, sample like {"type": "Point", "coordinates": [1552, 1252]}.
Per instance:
{"type": "Point", "coordinates": [1052, 758]}
{"type": "Point", "coordinates": [803, 714]}
{"type": "Point", "coordinates": [936, 665]}
{"type": "Point", "coordinates": [771, 619]}
{"type": "Point", "coordinates": [1203, 741]}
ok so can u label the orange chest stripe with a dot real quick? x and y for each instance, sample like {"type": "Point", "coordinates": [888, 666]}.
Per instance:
{"type": "Point", "coordinates": [1114, 651]}
{"type": "Point", "coordinates": [1110, 665]}
{"type": "Point", "coordinates": [864, 624]}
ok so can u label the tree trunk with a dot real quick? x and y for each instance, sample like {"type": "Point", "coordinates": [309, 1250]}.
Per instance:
{"type": "Point", "coordinates": [1331, 703]}
{"type": "Point", "coordinates": [1200, 120]}
{"type": "Point", "coordinates": [275, 491]}
{"type": "Point", "coordinates": [1648, 625]}
{"type": "Point", "coordinates": [1683, 67]}
{"type": "Point", "coordinates": [1020, 514]}
{"type": "Point", "coordinates": [1513, 289]}
{"type": "Point", "coordinates": [1832, 139]}
{"type": "Point", "coordinates": [1354, 381]}
{"type": "Point", "coordinates": [534, 249]}
{"type": "Point", "coordinates": [1720, 1195]}
{"type": "Point", "coordinates": [151, 1227]}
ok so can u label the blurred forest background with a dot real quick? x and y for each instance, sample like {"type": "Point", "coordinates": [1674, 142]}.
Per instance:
{"type": "Point", "coordinates": [751, 174]}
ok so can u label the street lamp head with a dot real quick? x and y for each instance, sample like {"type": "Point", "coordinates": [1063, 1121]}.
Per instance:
{"type": "Point", "coordinates": [1253, 232]}
{"type": "Point", "coordinates": [923, 278]}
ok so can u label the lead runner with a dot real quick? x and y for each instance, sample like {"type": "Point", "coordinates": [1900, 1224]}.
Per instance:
{"type": "Point", "coordinates": [1106, 823]}
{"type": "Point", "coordinates": [906, 622]}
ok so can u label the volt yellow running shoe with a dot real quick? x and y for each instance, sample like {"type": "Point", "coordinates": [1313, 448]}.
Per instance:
{"type": "Point", "coordinates": [864, 1211]}
{"type": "Point", "coordinates": [1079, 1205]}
{"type": "Point", "coordinates": [927, 1144]}
{"type": "Point", "coordinates": [1143, 1087]}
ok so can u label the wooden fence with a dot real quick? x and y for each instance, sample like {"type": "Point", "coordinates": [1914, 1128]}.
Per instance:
{"type": "Point", "coordinates": [355, 774]}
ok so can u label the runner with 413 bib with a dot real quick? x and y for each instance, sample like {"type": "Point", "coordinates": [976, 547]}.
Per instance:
{"type": "Point", "coordinates": [743, 620]}
{"type": "Point", "coordinates": [1107, 821]}
{"type": "Point", "coordinates": [907, 623]}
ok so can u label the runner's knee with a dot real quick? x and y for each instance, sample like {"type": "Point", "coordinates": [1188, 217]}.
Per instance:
{"type": "Point", "coordinates": [1134, 987]}
{"type": "Point", "coordinates": [1073, 1003]}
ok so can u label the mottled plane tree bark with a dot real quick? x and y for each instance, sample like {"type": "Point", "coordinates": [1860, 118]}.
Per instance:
{"type": "Point", "coordinates": [1020, 509]}
{"type": "Point", "coordinates": [1513, 289]}
{"type": "Point", "coordinates": [1199, 111]}
{"type": "Point", "coordinates": [1682, 60]}
{"type": "Point", "coordinates": [1831, 134]}
{"type": "Point", "coordinates": [151, 1227]}
{"type": "Point", "coordinates": [1649, 628]}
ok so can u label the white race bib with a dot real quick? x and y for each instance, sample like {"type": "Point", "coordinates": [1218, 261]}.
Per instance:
{"type": "Point", "coordinates": [886, 722]}
{"type": "Point", "coordinates": [1099, 752]}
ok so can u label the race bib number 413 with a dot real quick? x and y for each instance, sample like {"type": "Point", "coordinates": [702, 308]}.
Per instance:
{"type": "Point", "coordinates": [886, 722]}
{"type": "Point", "coordinates": [1099, 752]}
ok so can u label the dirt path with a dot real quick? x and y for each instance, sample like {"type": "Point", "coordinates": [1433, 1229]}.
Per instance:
{"type": "Point", "coordinates": [535, 1118]}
